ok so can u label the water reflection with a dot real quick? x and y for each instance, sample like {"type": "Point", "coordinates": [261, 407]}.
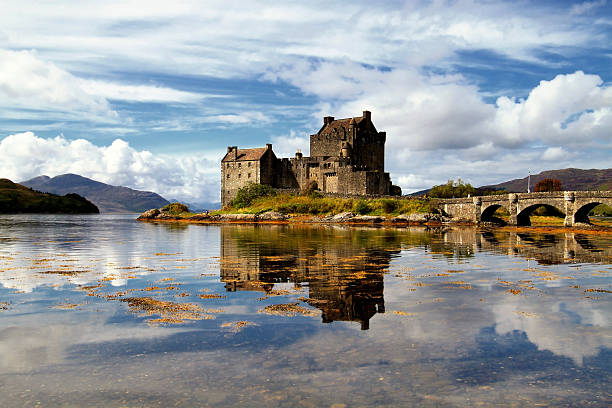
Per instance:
{"type": "Point", "coordinates": [456, 317]}
{"type": "Point", "coordinates": [342, 268]}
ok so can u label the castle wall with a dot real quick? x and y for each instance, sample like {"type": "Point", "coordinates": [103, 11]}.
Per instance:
{"type": "Point", "coordinates": [235, 175]}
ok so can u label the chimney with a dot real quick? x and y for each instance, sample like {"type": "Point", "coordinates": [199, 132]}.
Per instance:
{"type": "Point", "coordinates": [233, 149]}
{"type": "Point", "coordinates": [367, 115]}
{"type": "Point", "coordinates": [268, 146]}
{"type": "Point", "coordinates": [328, 120]}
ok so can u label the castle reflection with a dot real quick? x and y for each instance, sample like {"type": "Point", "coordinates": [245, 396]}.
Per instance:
{"type": "Point", "coordinates": [343, 267]}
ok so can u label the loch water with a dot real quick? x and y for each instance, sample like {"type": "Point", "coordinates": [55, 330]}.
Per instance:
{"type": "Point", "coordinates": [101, 310]}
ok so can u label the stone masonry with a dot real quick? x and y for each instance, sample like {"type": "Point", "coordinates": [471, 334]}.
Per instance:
{"type": "Point", "coordinates": [347, 156]}
{"type": "Point", "coordinates": [575, 204]}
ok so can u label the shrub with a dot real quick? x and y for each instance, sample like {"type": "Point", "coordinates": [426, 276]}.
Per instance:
{"type": "Point", "coordinates": [389, 206]}
{"type": "Point", "coordinates": [361, 207]}
{"type": "Point", "coordinates": [247, 194]}
{"type": "Point", "coordinates": [176, 208]}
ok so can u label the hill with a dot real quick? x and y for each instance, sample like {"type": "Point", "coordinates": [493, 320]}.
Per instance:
{"type": "Point", "coordinates": [15, 198]}
{"type": "Point", "coordinates": [109, 199]}
{"type": "Point", "coordinates": [571, 179]}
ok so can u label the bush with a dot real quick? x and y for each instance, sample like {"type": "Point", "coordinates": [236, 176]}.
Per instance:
{"type": "Point", "coordinates": [247, 194]}
{"type": "Point", "coordinates": [361, 207]}
{"type": "Point", "coordinates": [176, 208]}
{"type": "Point", "coordinates": [389, 206]}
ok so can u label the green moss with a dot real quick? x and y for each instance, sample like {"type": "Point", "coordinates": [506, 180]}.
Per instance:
{"type": "Point", "coordinates": [176, 208]}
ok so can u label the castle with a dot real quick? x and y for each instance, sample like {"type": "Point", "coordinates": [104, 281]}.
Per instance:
{"type": "Point", "coordinates": [347, 156]}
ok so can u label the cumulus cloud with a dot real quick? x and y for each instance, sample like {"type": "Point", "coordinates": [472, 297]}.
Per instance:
{"type": "Point", "coordinates": [288, 145]}
{"type": "Point", "coordinates": [440, 124]}
{"type": "Point", "coordinates": [191, 178]}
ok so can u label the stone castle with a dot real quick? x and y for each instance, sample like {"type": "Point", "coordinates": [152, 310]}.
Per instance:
{"type": "Point", "coordinates": [347, 156]}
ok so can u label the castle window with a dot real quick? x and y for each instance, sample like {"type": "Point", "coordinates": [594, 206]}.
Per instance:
{"type": "Point", "coordinates": [228, 175]}
{"type": "Point", "coordinates": [239, 175]}
{"type": "Point", "coordinates": [249, 175]}
{"type": "Point", "coordinates": [239, 164]}
{"type": "Point", "coordinates": [249, 164]}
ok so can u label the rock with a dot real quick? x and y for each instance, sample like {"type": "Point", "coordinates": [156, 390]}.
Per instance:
{"type": "Point", "coordinates": [418, 218]}
{"type": "Point", "coordinates": [400, 219]}
{"type": "Point", "coordinates": [166, 216]}
{"type": "Point", "coordinates": [148, 215]}
{"type": "Point", "coordinates": [367, 218]}
{"type": "Point", "coordinates": [200, 217]}
{"type": "Point", "coordinates": [272, 216]}
{"type": "Point", "coordinates": [345, 216]}
{"type": "Point", "coordinates": [238, 217]}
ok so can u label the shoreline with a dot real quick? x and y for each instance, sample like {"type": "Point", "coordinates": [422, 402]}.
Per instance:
{"type": "Point", "coordinates": [361, 221]}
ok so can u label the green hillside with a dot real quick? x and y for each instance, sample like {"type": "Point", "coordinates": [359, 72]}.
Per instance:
{"type": "Point", "coordinates": [15, 198]}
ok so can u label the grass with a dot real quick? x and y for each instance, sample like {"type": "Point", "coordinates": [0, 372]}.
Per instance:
{"type": "Point", "coordinates": [316, 205]}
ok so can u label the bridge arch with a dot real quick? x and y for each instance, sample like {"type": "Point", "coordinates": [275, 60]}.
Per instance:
{"type": "Point", "coordinates": [487, 213]}
{"type": "Point", "coordinates": [582, 214]}
{"type": "Point", "coordinates": [523, 217]}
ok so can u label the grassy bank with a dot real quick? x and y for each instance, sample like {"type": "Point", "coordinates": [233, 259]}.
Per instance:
{"type": "Point", "coordinates": [313, 204]}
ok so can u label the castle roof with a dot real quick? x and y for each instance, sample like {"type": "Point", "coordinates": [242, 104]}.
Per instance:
{"type": "Point", "coordinates": [246, 154]}
{"type": "Point", "coordinates": [341, 123]}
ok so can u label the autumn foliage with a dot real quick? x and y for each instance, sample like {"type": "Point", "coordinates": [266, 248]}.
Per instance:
{"type": "Point", "coordinates": [548, 185]}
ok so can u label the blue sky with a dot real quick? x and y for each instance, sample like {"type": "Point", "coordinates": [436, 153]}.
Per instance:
{"type": "Point", "coordinates": [149, 94]}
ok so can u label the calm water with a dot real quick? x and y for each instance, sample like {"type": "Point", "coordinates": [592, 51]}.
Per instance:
{"type": "Point", "coordinates": [105, 311]}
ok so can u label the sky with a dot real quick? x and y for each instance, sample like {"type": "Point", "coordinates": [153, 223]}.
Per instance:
{"type": "Point", "coordinates": [149, 94]}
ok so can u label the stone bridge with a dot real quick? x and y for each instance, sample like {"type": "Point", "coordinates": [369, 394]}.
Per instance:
{"type": "Point", "coordinates": [576, 206]}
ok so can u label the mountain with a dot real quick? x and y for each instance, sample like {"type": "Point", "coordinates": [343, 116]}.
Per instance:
{"type": "Point", "coordinates": [571, 179]}
{"type": "Point", "coordinates": [15, 198]}
{"type": "Point", "coordinates": [109, 199]}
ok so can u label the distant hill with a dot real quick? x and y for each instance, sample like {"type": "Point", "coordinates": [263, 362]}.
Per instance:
{"type": "Point", "coordinates": [571, 179]}
{"type": "Point", "coordinates": [109, 199]}
{"type": "Point", "coordinates": [15, 198]}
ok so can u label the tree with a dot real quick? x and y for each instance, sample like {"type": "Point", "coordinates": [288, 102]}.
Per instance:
{"type": "Point", "coordinates": [548, 185]}
{"type": "Point", "coordinates": [452, 189]}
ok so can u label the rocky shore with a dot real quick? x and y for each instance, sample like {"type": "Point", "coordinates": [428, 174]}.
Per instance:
{"type": "Point", "coordinates": [276, 217]}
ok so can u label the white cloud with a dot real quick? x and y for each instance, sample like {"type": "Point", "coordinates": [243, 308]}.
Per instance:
{"type": "Point", "coordinates": [555, 154]}
{"type": "Point", "coordinates": [241, 118]}
{"type": "Point", "coordinates": [191, 178]}
{"type": "Point", "coordinates": [287, 146]}
{"type": "Point", "coordinates": [27, 81]}
{"type": "Point", "coordinates": [138, 93]}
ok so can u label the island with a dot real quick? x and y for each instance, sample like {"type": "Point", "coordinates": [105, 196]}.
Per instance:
{"type": "Point", "coordinates": [17, 199]}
